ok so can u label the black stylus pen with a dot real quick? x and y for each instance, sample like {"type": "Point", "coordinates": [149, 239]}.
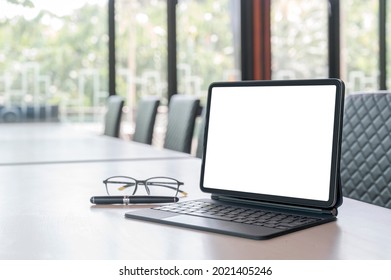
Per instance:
{"type": "Point", "coordinates": [132, 199]}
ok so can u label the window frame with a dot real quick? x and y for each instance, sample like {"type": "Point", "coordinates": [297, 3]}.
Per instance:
{"type": "Point", "coordinates": [255, 42]}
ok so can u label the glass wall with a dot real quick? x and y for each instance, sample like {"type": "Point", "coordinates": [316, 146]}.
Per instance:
{"type": "Point", "coordinates": [360, 45]}
{"type": "Point", "coordinates": [388, 42]}
{"type": "Point", "coordinates": [56, 66]}
{"type": "Point", "coordinates": [208, 44]}
{"type": "Point", "coordinates": [299, 40]}
{"type": "Point", "coordinates": [141, 52]}
{"type": "Point", "coordinates": [208, 50]}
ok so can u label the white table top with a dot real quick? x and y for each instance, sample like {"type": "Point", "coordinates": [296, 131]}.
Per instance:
{"type": "Point", "coordinates": [45, 213]}
{"type": "Point", "coordinates": [38, 143]}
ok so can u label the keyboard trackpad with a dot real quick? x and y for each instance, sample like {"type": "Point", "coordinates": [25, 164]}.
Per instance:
{"type": "Point", "coordinates": [222, 226]}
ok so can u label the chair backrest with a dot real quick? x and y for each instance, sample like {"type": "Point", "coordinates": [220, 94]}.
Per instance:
{"type": "Point", "coordinates": [200, 140]}
{"type": "Point", "coordinates": [145, 119]}
{"type": "Point", "coordinates": [366, 148]}
{"type": "Point", "coordinates": [182, 113]}
{"type": "Point", "coordinates": [113, 116]}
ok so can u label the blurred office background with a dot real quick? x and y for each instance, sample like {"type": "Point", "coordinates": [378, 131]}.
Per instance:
{"type": "Point", "coordinates": [59, 61]}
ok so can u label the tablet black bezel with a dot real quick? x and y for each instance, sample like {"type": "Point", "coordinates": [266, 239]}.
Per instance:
{"type": "Point", "coordinates": [335, 198]}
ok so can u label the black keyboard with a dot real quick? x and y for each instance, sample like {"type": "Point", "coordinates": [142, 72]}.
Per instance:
{"type": "Point", "coordinates": [253, 216]}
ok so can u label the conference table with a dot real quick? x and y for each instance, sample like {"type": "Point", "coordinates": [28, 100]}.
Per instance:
{"type": "Point", "coordinates": [37, 143]}
{"type": "Point", "coordinates": [45, 213]}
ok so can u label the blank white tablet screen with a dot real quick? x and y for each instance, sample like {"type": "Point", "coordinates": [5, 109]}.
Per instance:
{"type": "Point", "coordinates": [273, 140]}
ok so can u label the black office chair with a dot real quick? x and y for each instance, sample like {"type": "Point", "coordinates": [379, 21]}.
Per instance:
{"type": "Point", "coordinates": [200, 139]}
{"type": "Point", "coordinates": [366, 148]}
{"type": "Point", "coordinates": [182, 114]}
{"type": "Point", "coordinates": [145, 119]}
{"type": "Point", "coordinates": [113, 116]}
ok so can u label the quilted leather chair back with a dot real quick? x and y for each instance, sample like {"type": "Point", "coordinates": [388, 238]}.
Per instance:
{"type": "Point", "coordinates": [366, 148]}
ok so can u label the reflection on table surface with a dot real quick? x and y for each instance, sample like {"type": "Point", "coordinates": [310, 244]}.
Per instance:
{"type": "Point", "coordinates": [59, 143]}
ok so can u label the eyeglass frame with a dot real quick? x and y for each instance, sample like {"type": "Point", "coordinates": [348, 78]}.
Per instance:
{"type": "Point", "coordinates": [143, 182]}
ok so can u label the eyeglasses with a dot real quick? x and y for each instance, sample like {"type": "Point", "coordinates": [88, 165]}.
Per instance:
{"type": "Point", "coordinates": [154, 186]}
{"type": "Point", "coordinates": [122, 190]}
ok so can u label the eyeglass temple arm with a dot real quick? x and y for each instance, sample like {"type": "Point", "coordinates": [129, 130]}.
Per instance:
{"type": "Point", "coordinates": [170, 187]}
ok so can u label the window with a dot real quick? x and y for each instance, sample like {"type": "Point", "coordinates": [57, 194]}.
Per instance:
{"type": "Point", "coordinates": [208, 44]}
{"type": "Point", "coordinates": [360, 45]}
{"type": "Point", "coordinates": [141, 52]}
{"type": "Point", "coordinates": [56, 68]}
{"type": "Point", "coordinates": [299, 39]}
